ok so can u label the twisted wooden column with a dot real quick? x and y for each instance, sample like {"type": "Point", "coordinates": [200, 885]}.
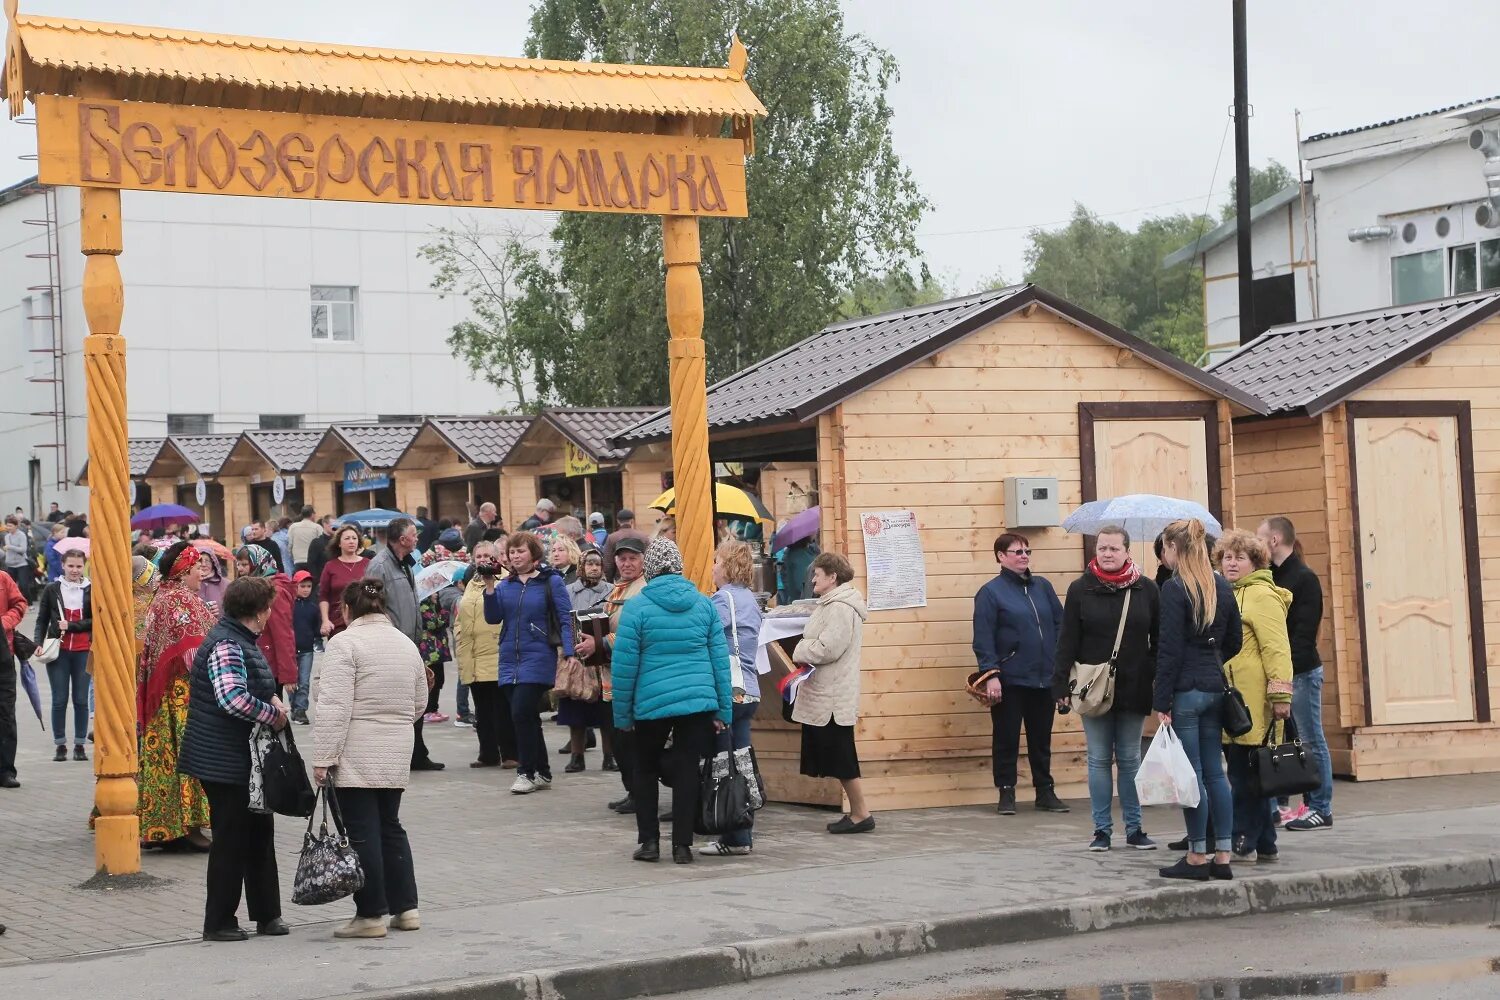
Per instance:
{"type": "Point", "coordinates": [692, 475]}
{"type": "Point", "coordinates": [117, 842]}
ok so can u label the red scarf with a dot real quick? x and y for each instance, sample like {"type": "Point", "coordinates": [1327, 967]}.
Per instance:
{"type": "Point", "coordinates": [1120, 578]}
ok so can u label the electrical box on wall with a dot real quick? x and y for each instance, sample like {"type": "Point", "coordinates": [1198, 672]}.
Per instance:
{"type": "Point", "coordinates": [1031, 502]}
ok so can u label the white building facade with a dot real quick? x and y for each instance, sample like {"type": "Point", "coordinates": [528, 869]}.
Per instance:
{"type": "Point", "coordinates": [240, 313]}
{"type": "Point", "coordinates": [1394, 213]}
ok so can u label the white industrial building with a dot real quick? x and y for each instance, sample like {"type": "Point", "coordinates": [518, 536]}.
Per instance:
{"type": "Point", "coordinates": [1397, 212]}
{"type": "Point", "coordinates": [240, 313]}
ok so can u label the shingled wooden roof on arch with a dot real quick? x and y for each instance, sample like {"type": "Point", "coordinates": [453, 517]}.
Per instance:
{"type": "Point", "coordinates": [51, 55]}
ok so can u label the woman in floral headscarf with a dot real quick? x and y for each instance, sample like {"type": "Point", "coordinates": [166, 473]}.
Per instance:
{"type": "Point", "coordinates": [173, 809]}
{"type": "Point", "coordinates": [278, 642]}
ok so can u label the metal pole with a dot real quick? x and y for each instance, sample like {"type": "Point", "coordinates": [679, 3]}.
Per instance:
{"type": "Point", "coordinates": [1242, 176]}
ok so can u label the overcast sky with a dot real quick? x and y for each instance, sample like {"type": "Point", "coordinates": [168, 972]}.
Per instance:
{"type": "Point", "coordinates": [1008, 112]}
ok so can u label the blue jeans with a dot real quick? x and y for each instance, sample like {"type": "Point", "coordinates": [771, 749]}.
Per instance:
{"type": "Point", "coordinates": [304, 681]}
{"type": "Point", "coordinates": [736, 737]}
{"type": "Point", "coordinates": [1254, 817]}
{"type": "Point", "coordinates": [71, 668]}
{"type": "Point", "coordinates": [1307, 712]}
{"type": "Point", "coordinates": [1196, 719]}
{"type": "Point", "coordinates": [1114, 738]}
{"type": "Point", "coordinates": [462, 704]}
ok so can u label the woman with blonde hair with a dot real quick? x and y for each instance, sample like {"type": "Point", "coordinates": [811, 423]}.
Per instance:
{"type": "Point", "coordinates": [564, 556]}
{"type": "Point", "coordinates": [734, 568]}
{"type": "Point", "coordinates": [1263, 673]}
{"type": "Point", "coordinates": [1199, 630]}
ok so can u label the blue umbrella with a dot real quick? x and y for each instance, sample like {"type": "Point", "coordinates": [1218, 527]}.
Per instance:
{"type": "Point", "coordinates": [28, 683]}
{"type": "Point", "coordinates": [164, 515]}
{"type": "Point", "coordinates": [1144, 515]}
{"type": "Point", "coordinates": [377, 517]}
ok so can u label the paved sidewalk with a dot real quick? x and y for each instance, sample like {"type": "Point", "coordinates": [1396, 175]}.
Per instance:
{"type": "Point", "coordinates": [511, 883]}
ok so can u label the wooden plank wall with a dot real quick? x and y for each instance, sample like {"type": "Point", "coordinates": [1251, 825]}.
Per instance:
{"type": "Point", "coordinates": [640, 483]}
{"type": "Point", "coordinates": [1280, 471]}
{"type": "Point", "coordinates": [940, 438]}
{"type": "Point", "coordinates": [1464, 368]}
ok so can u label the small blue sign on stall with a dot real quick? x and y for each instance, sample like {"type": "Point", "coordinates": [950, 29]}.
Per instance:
{"type": "Point", "coordinates": [360, 478]}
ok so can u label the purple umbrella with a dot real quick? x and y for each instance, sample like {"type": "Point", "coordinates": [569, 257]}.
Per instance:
{"type": "Point", "coordinates": [164, 515]}
{"type": "Point", "coordinates": [803, 524]}
{"type": "Point", "coordinates": [28, 682]}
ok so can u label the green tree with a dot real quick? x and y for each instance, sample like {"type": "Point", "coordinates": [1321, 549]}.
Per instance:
{"type": "Point", "coordinates": [1116, 273]}
{"type": "Point", "coordinates": [832, 207]}
{"type": "Point", "coordinates": [1264, 182]}
{"type": "Point", "coordinates": [888, 292]}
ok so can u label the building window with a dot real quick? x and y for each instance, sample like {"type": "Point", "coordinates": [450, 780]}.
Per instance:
{"type": "Point", "coordinates": [333, 313]}
{"type": "Point", "coordinates": [398, 418]}
{"type": "Point", "coordinates": [1474, 267]}
{"type": "Point", "coordinates": [1417, 277]}
{"type": "Point", "coordinates": [280, 421]}
{"type": "Point", "coordinates": [190, 423]}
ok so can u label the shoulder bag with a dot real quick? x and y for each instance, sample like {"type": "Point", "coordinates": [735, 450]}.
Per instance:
{"type": "Point", "coordinates": [725, 796]}
{"type": "Point", "coordinates": [284, 781]}
{"type": "Point", "coordinates": [1092, 685]}
{"type": "Point", "coordinates": [1234, 712]}
{"type": "Point", "coordinates": [736, 667]}
{"type": "Point", "coordinates": [328, 869]}
{"type": "Point", "coordinates": [1283, 768]}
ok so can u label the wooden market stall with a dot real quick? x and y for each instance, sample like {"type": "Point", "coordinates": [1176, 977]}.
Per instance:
{"type": "Point", "coordinates": [453, 464]}
{"type": "Point", "coordinates": [187, 471]}
{"type": "Point", "coordinates": [931, 409]}
{"type": "Point", "coordinates": [566, 455]}
{"type": "Point", "coordinates": [352, 468]}
{"type": "Point", "coordinates": [262, 457]}
{"type": "Point", "coordinates": [143, 452]}
{"type": "Point", "coordinates": [1381, 446]}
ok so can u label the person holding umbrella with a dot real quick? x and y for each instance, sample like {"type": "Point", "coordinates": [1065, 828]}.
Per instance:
{"type": "Point", "coordinates": [12, 610]}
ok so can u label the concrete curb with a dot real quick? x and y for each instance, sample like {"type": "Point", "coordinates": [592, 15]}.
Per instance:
{"type": "Point", "coordinates": [704, 968]}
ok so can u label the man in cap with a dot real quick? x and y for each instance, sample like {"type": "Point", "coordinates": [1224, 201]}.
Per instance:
{"type": "Point", "coordinates": [624, 528]}
{"type": "Point", "coordinates": [630, 562]}
{"type": "Point", "coordinates": [596, 528]}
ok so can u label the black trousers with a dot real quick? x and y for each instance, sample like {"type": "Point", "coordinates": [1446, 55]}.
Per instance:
{"type": "Point", "coordinates": [7, 709]}
{"type": "Point", "coordinates": [437, 686]}
{"type": "Point", "coordinates": [692, 740]}
{"type": "Point", "coordinates": [372, 817]}
{"type": "Point", "coordinates": [243, 854]}
{"type": "Point", "coordinates": [526, 712]}
{"type": "Point", "coordinates": [622, 744]}
{"type": "Point", "coordinates": [492, 722]}
{"type": "Point", "coordinates": [1035, 709]}
{"type": "Point", "coordinates": [419, 746]}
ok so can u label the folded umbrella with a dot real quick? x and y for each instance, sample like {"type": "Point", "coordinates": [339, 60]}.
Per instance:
{"type": "Point", "coordinates": [1144, 515]}
{"type": "Point", "coordinates": [28, 684]}
{"type": "Point", "coordinates": [729, 501]}
{"type": "Point", "coordinates": [803, 524]}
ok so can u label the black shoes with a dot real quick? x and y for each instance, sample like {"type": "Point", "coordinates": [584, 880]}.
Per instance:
{"type": "Point", "coordinates": [649, 851]}
{"type": "Point", "coordinates": [78, 753]}
{"type": "Point", "coordinates": [567, 747]}
{"type": "Point", "coordinates": [1047, 801]}
{"type": "Point", "coordinates": [1178, 845]}
{"type": "Point", "coordinates": [427, 764]}
{"type": "Point", "coordinates": [575, 765]}
{"type": "Point", "coordinates": [1100, 842]}
{"type": "Point", "coordinates": [1192, 873]}
{"type": "Point", "coordinates": [682, 855]}
{"type": "Point", "coordinates": [300, 718]}
{"type": "Point", "coordinates": [847, 825]}
{"type": "Point", "coordinates": [9, 781]}
{"type": "Point", "coordinates": [1007, 806]}
{"type": "Point", "coordinates": [484, 763]}
{"type": "Point", "coordinates": [275, 927]}
{"type": "Point", "coordinates": [609, 763]}
{"type": "Point", "coordinates": [624, 807]}
{"type": "Point", "coordinates": [1221, 872]}
{"type": "Point", "coordinates": [60, 754]}
{"type": "Point", "coordinates": [226, 934]}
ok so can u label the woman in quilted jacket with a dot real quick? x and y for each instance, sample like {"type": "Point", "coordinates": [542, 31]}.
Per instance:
{"type": "Point", "coordinates": [671, 679]}
{"type": "Point", "coordinates": [373, 686]}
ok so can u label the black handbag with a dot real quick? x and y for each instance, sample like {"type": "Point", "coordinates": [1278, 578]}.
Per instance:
{"type": "Point", "coordinates": [725, 801]}
{"type": "Point", "coordinates": [284, 781]}
{"type": "Point", "coordinates": [328, 869]}
{"type": "Point", "coordinates": [1234, 714]}
{"type": "Point", "coordinates": [1283, 768]}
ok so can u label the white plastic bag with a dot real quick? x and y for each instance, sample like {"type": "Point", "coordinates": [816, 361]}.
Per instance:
{"type": "Point", "coordinates": [1166, 777]}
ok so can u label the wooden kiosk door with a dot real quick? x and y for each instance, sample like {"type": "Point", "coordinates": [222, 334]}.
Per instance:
{"type": "Point", "coordinates": [1414, 584]}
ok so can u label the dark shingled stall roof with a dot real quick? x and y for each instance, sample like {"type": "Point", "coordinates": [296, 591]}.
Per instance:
{"type": "Point", "coordinates": [481, 440]}
{"type": "Point", "coordinates": [285, 450]}
{"type": "Point", "coordinates": [379, 446]}
{"type": "Point", "coordinates": [143, 452]}
{"type": "Point", "coordinates": [593, 429]}
{"type": "Point", "coordinates": [204, 452]}
{"type": "Point", "coordinates": [843, 358]}
{"type": "Point", "coordinates": [1312, 366]}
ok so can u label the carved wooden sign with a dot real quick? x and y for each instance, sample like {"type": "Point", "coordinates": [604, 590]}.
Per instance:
{"type": "Point", "coordinates": [272, 154]}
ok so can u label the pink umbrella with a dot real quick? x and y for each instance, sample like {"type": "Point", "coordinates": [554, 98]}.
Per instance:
{"type": "Point", "coordinates": [72, 545]}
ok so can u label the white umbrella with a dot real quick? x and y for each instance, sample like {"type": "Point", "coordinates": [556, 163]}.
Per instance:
{"type": "Point", "coordinates": [1144, 515]}
{"type": "Point", "coordinates": [431, 579]}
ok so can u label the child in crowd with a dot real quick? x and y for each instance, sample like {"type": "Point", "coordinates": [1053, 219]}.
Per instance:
{"type": "Point", "coordinates": [307, 621]}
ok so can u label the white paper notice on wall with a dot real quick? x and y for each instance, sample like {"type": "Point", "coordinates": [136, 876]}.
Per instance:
{"type": "Point", "coordinates": [895, 570]}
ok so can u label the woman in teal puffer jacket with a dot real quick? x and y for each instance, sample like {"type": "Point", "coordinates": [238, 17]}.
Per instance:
{"type": "Point", "coordinates": [671, 679]}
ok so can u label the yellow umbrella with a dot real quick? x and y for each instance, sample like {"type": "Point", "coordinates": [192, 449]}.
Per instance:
{"type": "Point", "coordinates": [729, 501]}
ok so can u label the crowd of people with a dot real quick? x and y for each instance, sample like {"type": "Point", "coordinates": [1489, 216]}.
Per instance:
{"type": "Point", "coordinates": [1237, 613]}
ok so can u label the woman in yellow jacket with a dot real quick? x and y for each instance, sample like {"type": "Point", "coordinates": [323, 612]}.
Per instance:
{"type": "Point", "coordinates": [1263, 673]}
{"type": "Point", "coordinates": [478, 651]}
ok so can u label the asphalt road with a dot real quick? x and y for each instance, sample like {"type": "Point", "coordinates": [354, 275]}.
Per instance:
{"type": "Point", "coordinates": [1447, 949]}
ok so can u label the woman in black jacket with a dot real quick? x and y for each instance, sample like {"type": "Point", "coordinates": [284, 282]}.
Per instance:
{"type": "Point", "coordinates": [1091, 622]}
{"type": "Point", "coordinates": [1199, 631]}
{"type": "Point", "coordinates": [66, 612]}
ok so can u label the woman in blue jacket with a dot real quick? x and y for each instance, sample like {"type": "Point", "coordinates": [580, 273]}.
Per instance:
{"type": "Point", "coordinates": [671, 679]}
{"type": "Point", "coordinates": [532, 608]}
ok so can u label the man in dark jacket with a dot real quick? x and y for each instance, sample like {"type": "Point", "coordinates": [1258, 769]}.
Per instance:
{"type": "Point", "coordinates": [1302, 621]}
{"type": "Point", "coordinates": [1017, 617]}
{"type": "Point", "coordinates": [624, 528]}
{"type": "Point", "coordinates": [484, 521]}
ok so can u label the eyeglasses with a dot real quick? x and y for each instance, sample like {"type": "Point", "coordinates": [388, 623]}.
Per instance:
{"type": "Point", "coordinates": [1018, 552]}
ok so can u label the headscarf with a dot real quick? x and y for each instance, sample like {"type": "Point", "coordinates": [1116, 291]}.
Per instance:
{"type": "Point", "coordinates": [662, 556]}
{"type": "Point", "coordinates": [262, 562]}
{"type": "Point", "coordinates": [143, 582]}
{"type": "Point", "coordinates": [176, 623]}
{"type": "Point", "coordinates": [177, 560]}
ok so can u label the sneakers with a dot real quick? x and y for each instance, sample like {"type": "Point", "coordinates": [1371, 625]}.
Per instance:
{"type": "Point", "coordinates": [1291, 813]}
{"type": "Point", "coordinates": [463, 722]}
{"type": "Point", "coordinates": [1007, 805]}
{"type": "Point", "coordinates": [300, 718]}
{"type": "Point", "coordinates": [1100, 841]}
{"type": "Point", "coordinates": [1190, 872]}
{"type": "Point", "coordinates": [1312, 821]}
{"type": "Point", "coordinates": [523, 785]}
{"type": "Point", "coordinates": [407, 920]}
{"type": "Point", "coordinates": [61, 753]}
{"type": "Point", "coordinates": [543, 782]}
{"type": "Point", "coordinates": [78, 753]}
{"type": "Point", "coordinates": [434, 718]}
{"type": "Point", "coordinates": [1047, 801]}
{"type": "Point", "coordinates": [718, 850]}
{"type": "Point", "coordinates": [362, 927]}
{"type": "Point", "coordinates": [1140, 841]}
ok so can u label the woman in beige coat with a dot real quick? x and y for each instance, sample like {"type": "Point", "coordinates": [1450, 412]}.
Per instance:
{"type": "Point", "coordinates": [477, 649]}
{"type": "Point", "coordinates": [827, 704]}
{"type": "Point", "coordinates": [373, 687]}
